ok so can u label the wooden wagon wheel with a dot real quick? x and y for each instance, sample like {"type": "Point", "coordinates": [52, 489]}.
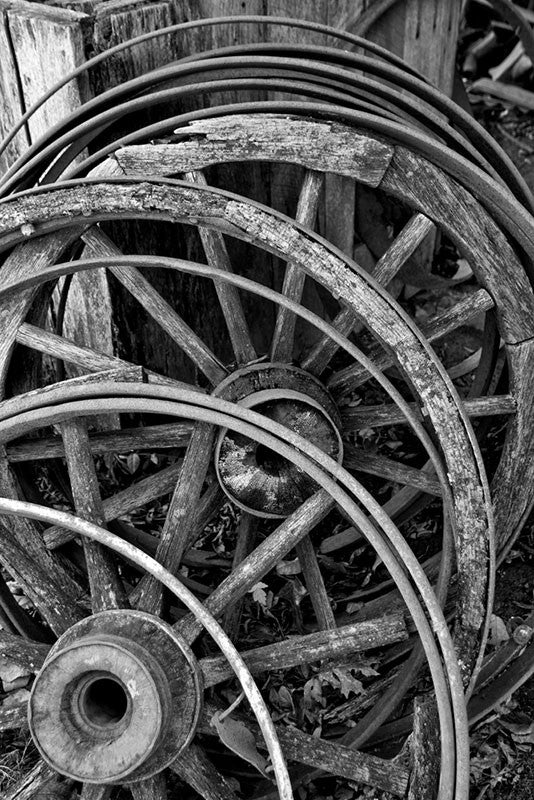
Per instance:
{"type": "Point", "coordinates": [60, 208]}
{"type": "Point", "coordinates": [322, 147]}
{"type": "Point", "coordinates": [111, 646]}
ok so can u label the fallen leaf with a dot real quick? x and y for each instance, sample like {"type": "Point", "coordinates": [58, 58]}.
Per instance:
{"type": "Point", "coordinates": [239, 739]}
{"type": "Point", "coordinates": [259, 594]}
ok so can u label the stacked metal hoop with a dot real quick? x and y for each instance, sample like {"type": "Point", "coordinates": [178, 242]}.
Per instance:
{"type": "Point", "coordinates": [366, 118]}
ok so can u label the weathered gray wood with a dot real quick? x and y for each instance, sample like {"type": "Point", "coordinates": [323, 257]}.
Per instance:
{"type": "Point", "coordinates": [404, 245]}
{"type": "Point", "coordinates": [325, 644]}
{"type": "Point", "coordinates": [245, 541]}
{"type": "Point", "coordinates": [361, 461]}
{"type": "Point", "coordinates": [424, 745]}
{"type": "Point", "coordinates": [262, 559]}
{"type": "Point", "coordinates": [151, 437]}
{"type": "Point", "coordinates": [24, 555]}
{"type": "Point", "coordinates": [485, 247]}
{"type": "Point", "coordinates": [46, 342]}
{"type": "Point", "coordinates": [39, 783]}
{"type": "Point", "coordinates": [13, 717]}
{"type": "Point", "coordinates": [150, 789]}
{"type": "Point", "coordinates": [160, 311]}
{"type": "Point", "coordinates": [314, 581]}
{"type": "Point", "coordinates": [415, 29]}
{"type": "Point", "coordinates": [47, 43]}
{"type": "Point", "coordinates": [234, 316]}
{"type": "Point", "coordinates": [283, 342]}
{"type": "Point", "coordinates": [388, 414]}
{"type": "Point", "coordinates": [181, 520]}
{"type": "Point", "coordinates": [318, 146]}
{"type": "Point", "coordinates": [440, 325]}
{"type": "Point", "coordinates": [104, 582]}
{"type": "Point", "coordinates": [195, 768]}
{"type": "Point", "coordinates": [12, 101]}
{"type": "Point", "coordinates": [85, 357]}
{"type": "Point", "coordinates": [29, 656]}
{"type": "Point", "coordinates": [337, 759]}
{"type": "Point", "coordinates": [515, 470]}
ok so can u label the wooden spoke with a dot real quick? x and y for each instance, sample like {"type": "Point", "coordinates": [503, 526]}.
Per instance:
{"type": "Point", "coordinates": [400, 250]}
{"type": "Point", "coordinates": [150, 789]}
{"type": "Point", "coordinates": [27, 655]}
{"type": "Point", "coordinates": [326, 644]}
{"type": "Point", "coordinates": [315, 584]}
{"type": "Point", "coordinates": [63, 349]}
{"type": "Point", "coordinates": [388, 414]}
{"type": "Point", "coordinates": [25, 557]}
{"type": "Point", "coordinates": [194, 768]}
{"type": "Point", "coordinates": [13, 717]}
{"type": "Point", "coordinates": [150, 437]}
{"type": "Point", "coordinates": [14, 619]}
{"type": "Point", "coordinates": [39, 782]}
{"type": "Point", "coordinates": [160, 311]}
{"type": "Point", "coordinates": [440, 325]}
{"type": "Point", "coordinates": [44, 582]}
{"type": "Point", "coordinates": [424, 745]}
{"type": "Point", "coordinates": [294, 279]}
{"type": "Point", "coordinates": [383, 467]}
{"type": "Point", "coordinates": [83, 357]}
{"type": "Point", "coordinates": [234, 316]}
{"type": "Point", "coordinates": [135, 496]}
{"type": "Point", "coordinates": [384, 271]}
{"type": "Point", "coordinates": [181, 522]}
{"type": "Point", "coordinates": [93, 791]}
{"type": "Point", "coordinates": [262, 559]}
{"type": "Point", "coordinates": [320, 355]}
{"type": "Point", "coordinates": [337, 759]}
{"type": "Point", "coordinates": [245, 541]}
{"type": "Point", "coordinates": [104, 582]}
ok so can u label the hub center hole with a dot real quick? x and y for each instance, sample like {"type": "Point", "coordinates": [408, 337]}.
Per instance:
{"type": "Point", "coordinates": [271, 462]}
{"type": "Point", "coordinates": [104, 702]}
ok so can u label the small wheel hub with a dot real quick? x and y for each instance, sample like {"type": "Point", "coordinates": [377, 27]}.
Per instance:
{"type": "Point", "coordinates": [256, 478]}
{"type": "Point", "coordinates": [117, 699]}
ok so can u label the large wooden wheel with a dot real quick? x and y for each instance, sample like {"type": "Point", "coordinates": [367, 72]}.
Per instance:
{"type": "Point", "coordinates": [283, 393]}
{"type": "Point", "coordinates": [495, 284]}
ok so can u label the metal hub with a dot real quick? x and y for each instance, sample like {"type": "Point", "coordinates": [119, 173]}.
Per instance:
{"type": "Point", "coordinates": [256, 478]}
{"type": "Point", "coordinates": [117, 699]}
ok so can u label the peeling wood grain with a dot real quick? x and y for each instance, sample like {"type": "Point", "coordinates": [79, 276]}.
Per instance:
{"type": "Point", "coordinates": [320, 146]}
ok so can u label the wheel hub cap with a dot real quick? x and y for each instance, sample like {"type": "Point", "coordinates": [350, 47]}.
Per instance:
{"type": "Point", "coordinates": [256, 478]}
{"type": "Point", "coordinates": [117, 699]}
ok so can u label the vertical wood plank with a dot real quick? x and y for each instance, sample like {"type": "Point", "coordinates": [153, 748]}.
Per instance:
{"type": "Point", "coordinates": [47, 44]}
{"type": "Point", "coordinates": [11, 94]}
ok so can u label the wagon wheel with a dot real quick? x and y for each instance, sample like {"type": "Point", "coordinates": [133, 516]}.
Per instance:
{"type": "Point", "coordinates": [53, 210]}
{"type": "Point", "coordinates": [320, 147]}
{"type": "Point", "coordinates": [116, 673]}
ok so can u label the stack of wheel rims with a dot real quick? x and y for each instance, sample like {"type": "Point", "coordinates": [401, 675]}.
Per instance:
{"type": "Point", "coordinates": [328, 442]}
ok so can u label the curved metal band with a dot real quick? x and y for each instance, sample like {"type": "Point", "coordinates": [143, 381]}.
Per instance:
{"type": "Point", "coordinates": [245, 19]}
{"type": "Point", "coordinates": [90, 118]}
